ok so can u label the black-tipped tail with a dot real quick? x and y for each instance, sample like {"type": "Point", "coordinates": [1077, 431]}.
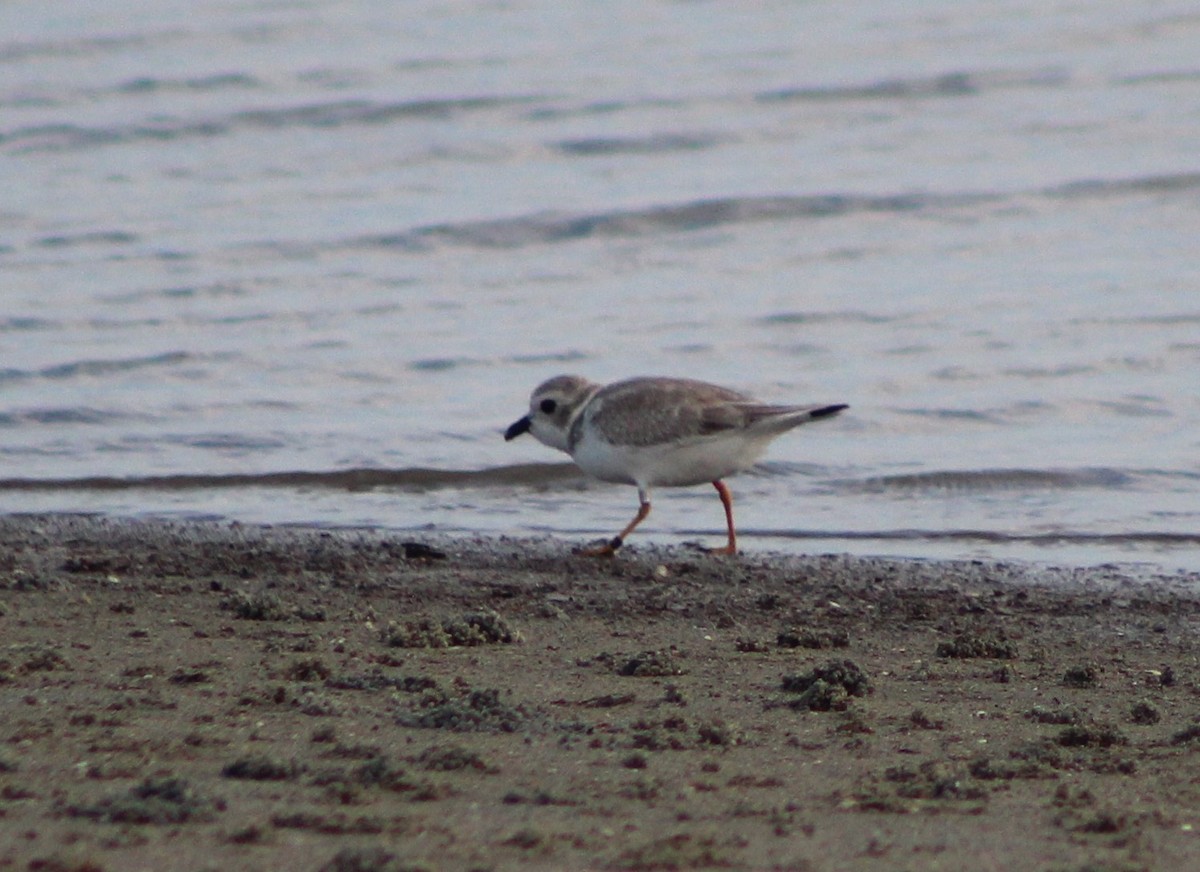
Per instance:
{"type": "Point", "coordinates": [827, 411]}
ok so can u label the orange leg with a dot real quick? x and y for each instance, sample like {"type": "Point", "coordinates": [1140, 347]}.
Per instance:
{"type": "Point", "coordinates": [727, 502]}
{"type": "Point", "coordinates": [608, 549]}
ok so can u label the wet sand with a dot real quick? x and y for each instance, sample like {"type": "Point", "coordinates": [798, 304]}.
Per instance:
{"type": "Point", "coordinates": [224, 697]}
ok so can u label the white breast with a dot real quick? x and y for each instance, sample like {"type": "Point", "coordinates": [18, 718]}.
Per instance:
{"type": "Point", "coordinates": [674, 464]}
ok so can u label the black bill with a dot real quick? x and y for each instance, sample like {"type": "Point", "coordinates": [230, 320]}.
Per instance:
{"type": "Point", "coordinates": [518, 428]}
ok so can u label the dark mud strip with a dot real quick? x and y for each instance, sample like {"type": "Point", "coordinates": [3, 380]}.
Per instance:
{"type": "Point", "coordinates": [1061, 537]}
{"type": "Point", "coordinates": [416, 478]}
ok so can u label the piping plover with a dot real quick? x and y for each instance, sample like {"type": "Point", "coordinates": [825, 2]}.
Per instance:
{"type": "Point", "coordinates": [649, 432]}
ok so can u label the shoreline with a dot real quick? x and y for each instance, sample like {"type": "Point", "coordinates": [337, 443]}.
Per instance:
{"type": "Point", "coordinates": [342, 699]}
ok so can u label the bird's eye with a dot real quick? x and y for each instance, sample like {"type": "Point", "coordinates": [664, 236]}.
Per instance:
{"type": "Point", "coordinates": [548, 406]}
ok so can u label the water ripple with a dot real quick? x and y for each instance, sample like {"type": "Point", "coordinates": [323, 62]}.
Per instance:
{"type": "Point", "coordinates": [977, 480]}
{"type": "Point", "coordinates": [89, 368]}
{"type": "Point", "coordinates": [663, 142]}
{"type": "Point", "coordinates": [670, 217]}
{"type": "Point", "coordinates": [66, 136]}
{"type": "Point", "coordinates": [552, 227]}
{"type": "Point", "coordinates": [954, 84]}
{"type": "Point", "coordinates": [66, 415]}
{"type": "Point", "coordinates": [413, 479]}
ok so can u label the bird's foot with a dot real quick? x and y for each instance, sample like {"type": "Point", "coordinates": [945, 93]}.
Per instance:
{"type": "Point", "coordinates": [606, 549]}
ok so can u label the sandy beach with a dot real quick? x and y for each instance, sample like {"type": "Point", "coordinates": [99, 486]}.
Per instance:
{"type": "Point", "coordinates": [194, 696]}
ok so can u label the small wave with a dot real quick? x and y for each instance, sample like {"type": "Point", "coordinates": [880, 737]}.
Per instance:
{"type": "Point", "coordinates": [975, 416]}
{"type": "Point", "coordinates": [551, 227]}
{"type": "Point", "coordinates": [601, 107]}
{"type": "Point", "coordinates": [78, 368]}
{"type": "Point", "coordinates": [120, 364]}
{"type": "Point", "coordinates": [413, 479]}
{"type": "Point", "coordinates": [91, 237]}
{"type": "Point", "coordinates": [440, 364]}
{"type": "Point", "coordinates": [954, 84]}
{"type": "Point", "coordinates": [993, 479]}
{"type": "Point", "coordinates": [606, 145]}
{"type": "Point", "coordinates": [218, 81]}
{"type": "Point", "coordinates": [1065, 370]}
{"type": "Point", "coordinates": [19, 52]}
{"type": "Point", "coordinates": [835, 317]}
{"type": "Point", "coordinates": [66, 136]}
{"type": "Point", "coordinates": [1159, 78]}
{"type": "Point", "coordinates": [369, 112]}
{"type": "Point", "coordinates": [228, 442]}
{"type": "Point", "coordinates": [56, 416]}
{"type": "Point", "coordinates": [18, 324]}
{"type": "Point", "coordinates": [70, 137]}
{"type": "Point", "coordinates": [1154, 184]}
{"type": "Point", "coordinates": [444, 364]}
{"type": "Point", "coordinates": [1166, 320]}
{"type": "Point", "coordinates": [1137, 407]}
{"type": "Point", "coordinates": [570, 356]}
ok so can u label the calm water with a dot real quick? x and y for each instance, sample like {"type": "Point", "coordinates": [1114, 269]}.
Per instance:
{"type": "Point", "coordinates": [301, 262]}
